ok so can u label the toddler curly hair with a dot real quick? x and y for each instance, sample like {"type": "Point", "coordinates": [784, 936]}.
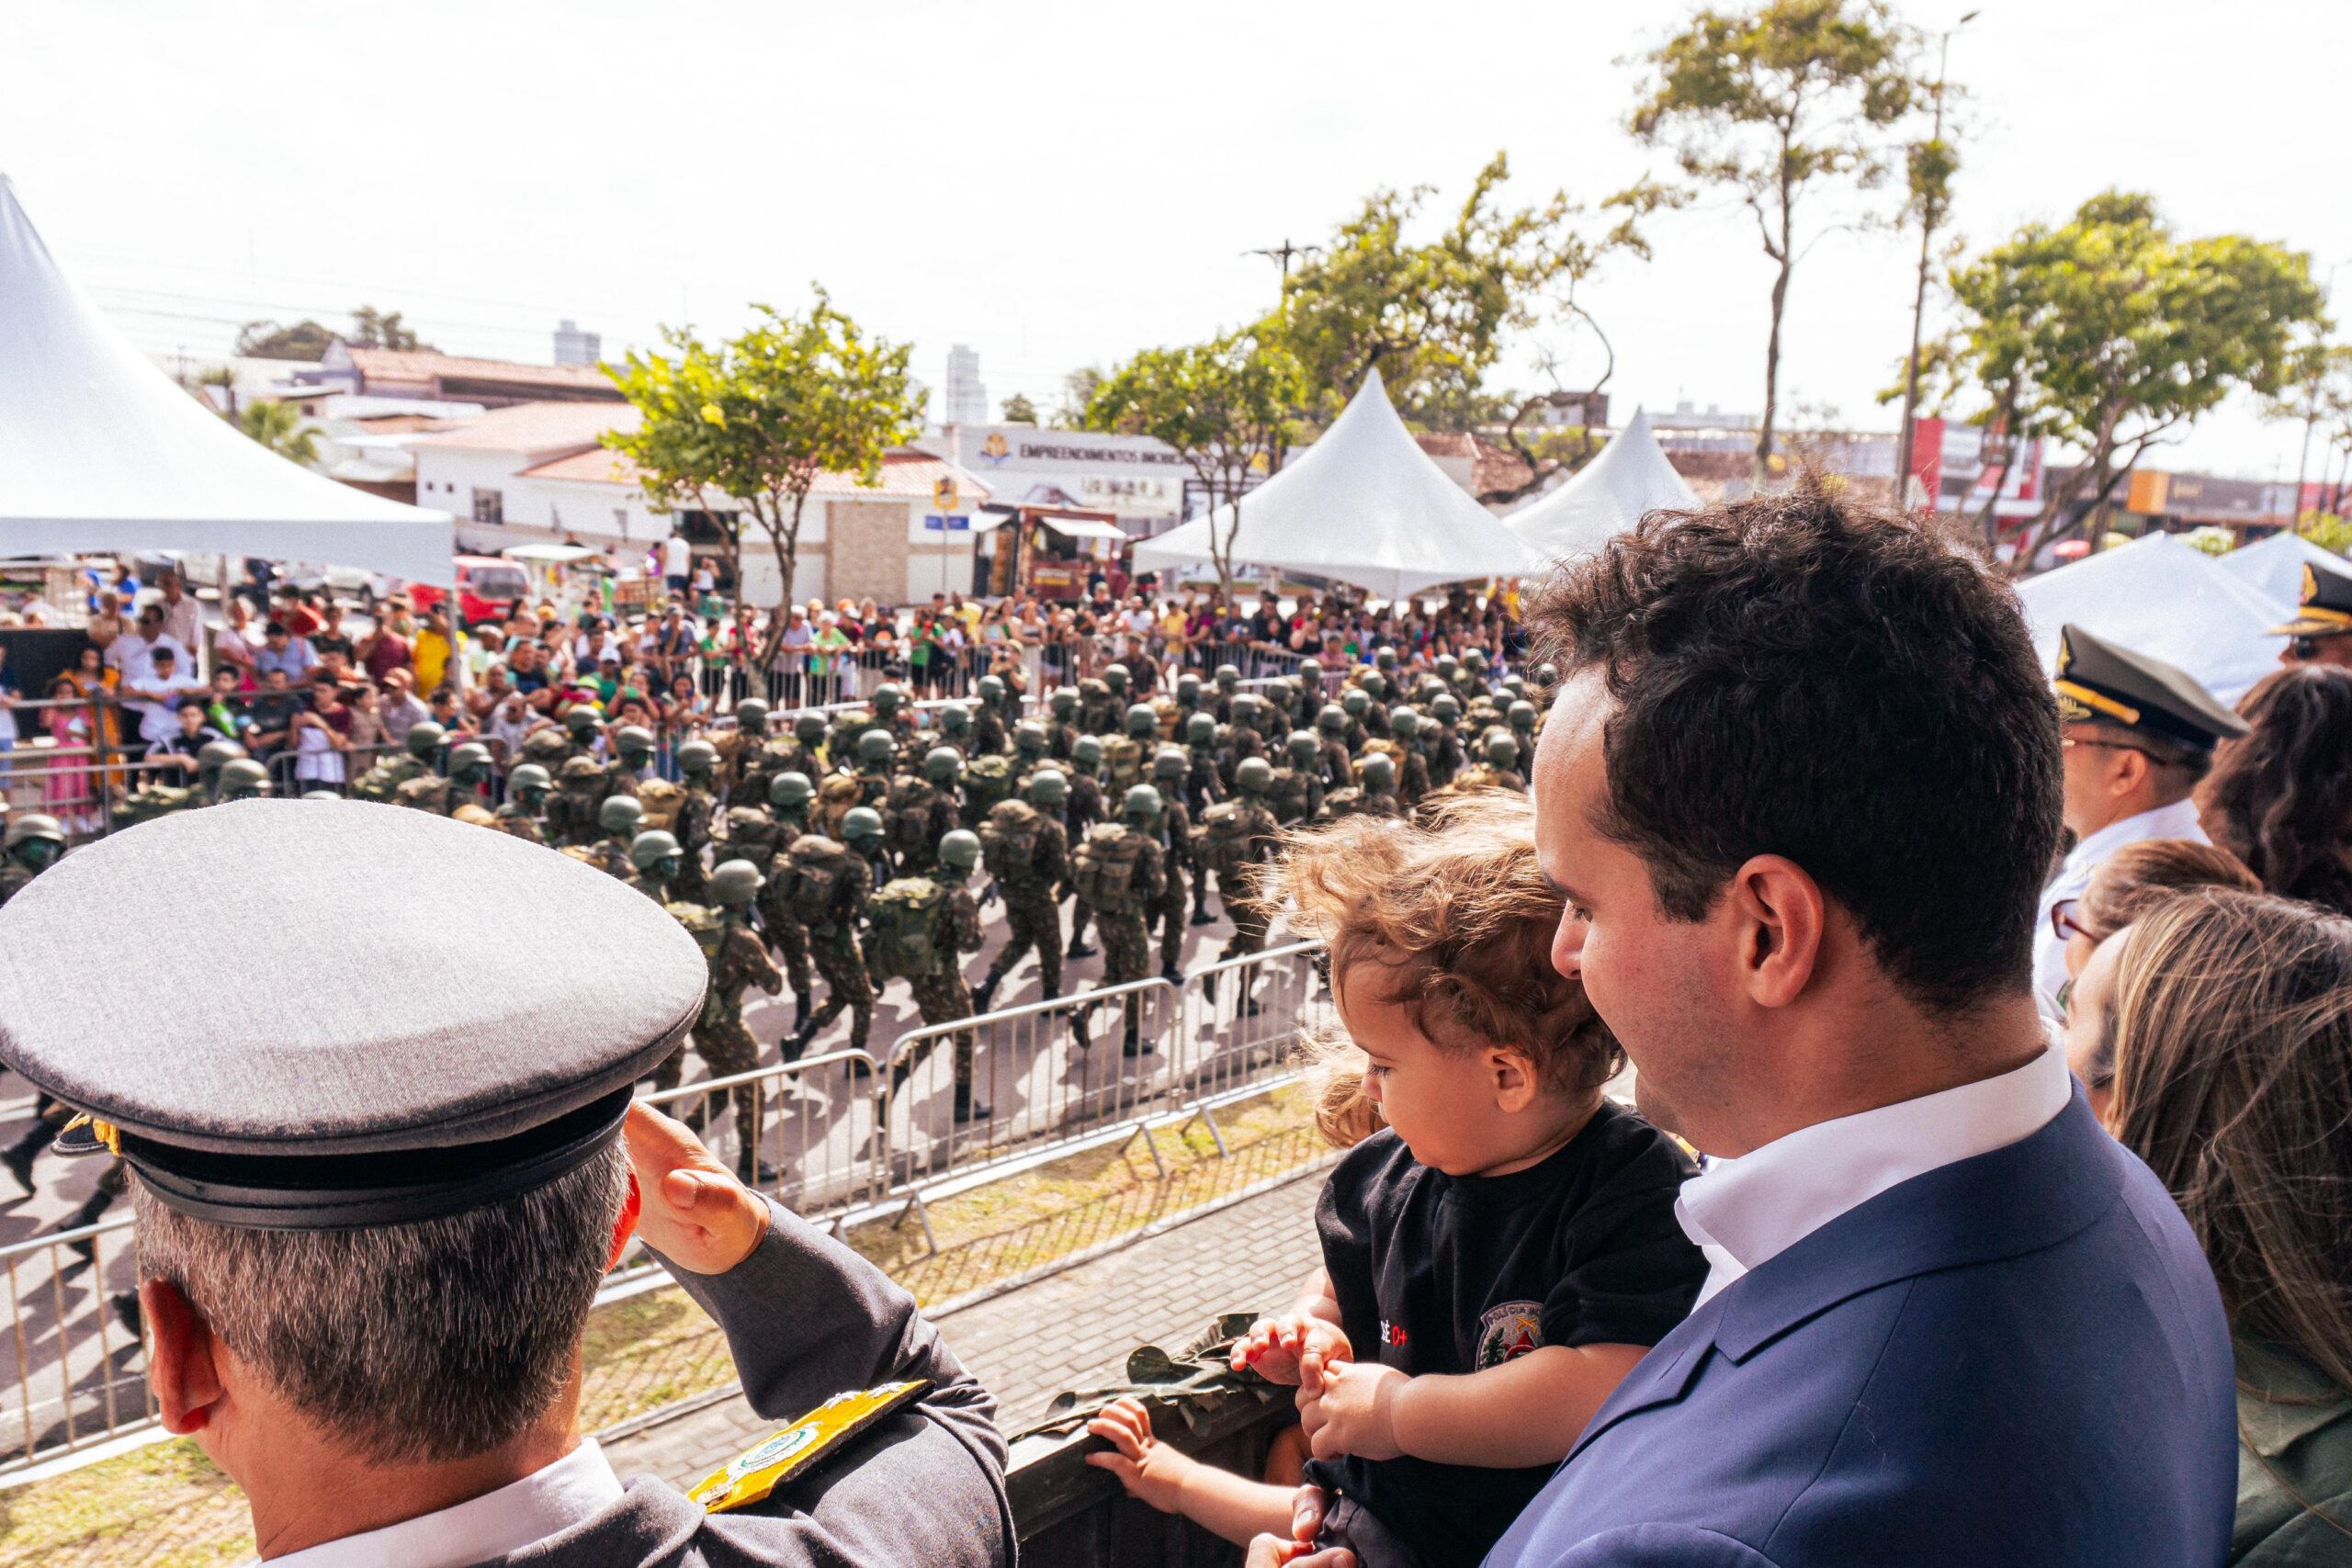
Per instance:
{"type": "Point", "coordinates": [1457, 923]}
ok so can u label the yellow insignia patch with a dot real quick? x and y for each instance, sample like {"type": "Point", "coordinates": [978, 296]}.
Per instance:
{"type": "Point", "coordinates": [768, 1464]}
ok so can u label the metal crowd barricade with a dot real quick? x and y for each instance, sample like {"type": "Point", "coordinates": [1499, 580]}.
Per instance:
{"type": "Point", "coordinates": [79, 1379]}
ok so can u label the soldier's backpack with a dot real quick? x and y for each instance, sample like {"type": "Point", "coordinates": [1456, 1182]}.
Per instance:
{"type": "Point", "coordinates": [1342, 802]}
{"type": "Point", "coordinates": [839, 794]}
{"type": "Point", "coordinates": [986, 781]}
{"type": "Point", "coordinates": [1123, 759]}
{"type": "Point", "coordinates": [661, 799]}
{"type": "Point", "coordinates": [815, 870]}
{"type": "Point", "coordinates": [381, 781]}
{"type": "Point", "coordinates": [904, 923]}
{"type": "Point", "coordinates": [703, 923]}
{"type": "Point", "coordinates": [1009, 842]}
{"type": "Point", "coordinates": [906, 816]}
{"type": "Point", "coordinates": [751, 835]}
{"type": "Point", "coordinates": [1222, 840]}
{"type": "Point", "coordinates": [428, 792]}
{"type": "Point", "coordinates": [1102, 869]}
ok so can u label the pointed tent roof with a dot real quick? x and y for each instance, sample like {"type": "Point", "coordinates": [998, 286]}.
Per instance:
{"type": "Point", "coordinates": [1364, 505]}
{"type": "Point", "coordinates": [1607, 496]}
{"type": "Point", "coordinates": [2159, 596]}
{"type": "Point", "coordinates": [2275, 566]}
{"type": "Point", "coordinates": [99, 450]}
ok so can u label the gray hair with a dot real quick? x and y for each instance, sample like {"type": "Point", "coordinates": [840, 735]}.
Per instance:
{"type": "Point", "coordinates": [413, 1343]}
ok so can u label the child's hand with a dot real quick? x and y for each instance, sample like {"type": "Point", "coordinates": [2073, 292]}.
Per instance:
{"type": "Point", "coordinates": [1307, 1518]}
{"type": "Point", "coordinates": [1274, 1346]}
{"type": "Point", "coordinates": [1345, 1407]}
{"type": "Point", "coordinates": [1151, 1469]}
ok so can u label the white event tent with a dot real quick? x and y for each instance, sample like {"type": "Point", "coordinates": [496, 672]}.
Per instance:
{"type": "Point", "coordinates": [2159, 597]}
{"type": "Point", "coordinates": [2275, 566]}
{"type": "Point", "coordinates": [100, 451]}
{"type": "Point", "coordinates": [1364, 505]}
{"type": "Point", "coordinates": [1607, 496]}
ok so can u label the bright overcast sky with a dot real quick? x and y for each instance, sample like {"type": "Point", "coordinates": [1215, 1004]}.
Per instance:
{"type": "Point", "coordinates": [1054, 184]}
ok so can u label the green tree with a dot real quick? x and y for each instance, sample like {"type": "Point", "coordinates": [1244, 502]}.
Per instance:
{"type": "Point", "coordinates": [756, 419]}
{"type": "Point", "coordinates": [1230, 406]}
{"type": "Point", "coordinates": [1078, 392]}
{"type": "Point", "coordinates": [266, 339]}
{"type": "Point", "coordinates": [1771, 105]}
{"type": "Point", "coordinates": [371, 328]}
{"type": "Point", "coordinates": [1018, 410]}
{"type": "Point", "coordinates": [279, 427]}
{"type": "Point", "coordinates": [2111, 334]}
{"type": "Point", "coordinates": [1431, 317]}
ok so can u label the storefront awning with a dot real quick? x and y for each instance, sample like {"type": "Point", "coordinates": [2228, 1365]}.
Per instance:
{"type": "Point", "coordinates": [1085, 528]}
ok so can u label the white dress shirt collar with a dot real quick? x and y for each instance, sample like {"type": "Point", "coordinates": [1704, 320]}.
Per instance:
{"type": "Point", "coordinates": [547, 1501]}
{"type": "Point", "coordinates": [2177, 820]}
{"type": "Point", "coordinates": [1742, 1212]}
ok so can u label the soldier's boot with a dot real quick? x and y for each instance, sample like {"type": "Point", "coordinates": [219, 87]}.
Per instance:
{"type": "Point", "coordinates": [753, 1172]}
{"type": "Point", "coordinates": [799, 1009]}
{"type": "Point", "coordinates": [1080, 914]}
{"type": "Point", "coordinates": [1208, 988]}
{"type": "Point", "coordinates": [20, 1154]}
{"type": "Point", "coordinates": [96, 1205]}
{"type": "Point", "coordinates": [126, 1312]}
{"type": "Point", "coordinates": [1200, 916]}
{"type": "Point", "coordinates": [985, 992]}
{"type": "Point", "coordinates": [1078, 948]}
{"type": "Point", "coordinates": [967, 1108]}
{"type": "Point", "coordinates": [1173, 971]}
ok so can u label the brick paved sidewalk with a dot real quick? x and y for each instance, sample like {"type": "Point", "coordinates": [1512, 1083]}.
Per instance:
{"type": "Point", "coordinates": [1070, 1330]}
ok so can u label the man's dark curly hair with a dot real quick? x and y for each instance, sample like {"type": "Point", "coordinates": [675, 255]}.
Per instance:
{"type": "Point", "coordinates": [2280, 798]}
{"type": "Point", "coordinates": [1800, 677]}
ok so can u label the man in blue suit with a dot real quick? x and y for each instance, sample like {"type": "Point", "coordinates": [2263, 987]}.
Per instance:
{"type": "Point", "coordinates": [1801, 787]}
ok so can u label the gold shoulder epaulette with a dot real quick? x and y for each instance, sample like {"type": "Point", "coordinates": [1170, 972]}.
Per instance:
{"type": "Point", "coordinates": [800, 1447]}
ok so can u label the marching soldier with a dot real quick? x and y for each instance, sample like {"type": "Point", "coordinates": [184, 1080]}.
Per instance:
{"type": "Point", "coordinates": [804, 752]}
{"type": "Point", "coordinates": [1520, 716]}
{"type": "Point", "coordinates": [1188, 702]}
{"type": "Point", "coordinates": [1061, 728]}
{"type": "Point", "coordinates": [526, 802]}
{"type": "Point", "coordinates": [383, 781]}
{"type": "Point", "coordinates": [469, 770]}
{"type": "Point", "coordinates": [1174, 830]}
{"type": "Point", "coordinates": [920, 809]}
{"type": "Point", "coordinates": [1355, 702]}
{"type": "Point", "coordinates": [1374, 793]}
{"type": "Point", "coordinates": [1127, 761]}
{"type": "Point", "coordinates": [1334, 763]}
{"type": "Point", "coordinates": [653, 858]}
{"type": "Point", "coordinates": [1413, 771]}
{"type": "Point", "coordinates": [1374, 717]}
{"type": "Point", "coordinates": [828, 886]}
{"type": "Point", "coordinates": [746, 768]}
{"type": "Point", "coordinates": [1027, 851]}
{"type": "Point", "coordinates": [620, 817]}
{"type": "Point", "coordinates": [939, 992]}
{"type": "Point", "coordinates": [697, 763]}
{"type": "Point", "coordinates": [33, 841]}
{"type": "Point", "coordinates": [1241, 740]}
{"type": "Point", "coordinates": [1081, 809]}
{"type": "Point", "coordinates": [862, 831]}
{"type": "Point", "coordinates": [786, 820]}
{"type": "Point", "coordinates": [1496, 771]}
{"type": "Point", "coordinates": [1119, 874]}
{"type": "Point", "coordinates": [723, 1042]}
{"type": "Point", "coordinates": [1236, 837]}
{"type": "Point", "coordinates": [243, 779]}
{"type": "Point", "coordinates": [634, 745]}
{"type": "Point", "coordinates": [584, 724]}
{"type": "Point", "coordinates": [1097, 715]}
{"type": "Point", "coordinates": [988, 726]}
{"type": "Point", "coordinates": [1445, 744]}
{"type": "Point", "coordinates": [1295, 794]}
{"type": "Point", "coordinates": [1202, 784]}
{"type": "Point", "coordinates": [1229, 682]}
{"type": "Point", "coordinates": [875, 752]}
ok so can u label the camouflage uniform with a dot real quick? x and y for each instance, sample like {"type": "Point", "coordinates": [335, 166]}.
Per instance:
{"type": "Point", "coordinates": [917, 814]}
{"type": "Point", "coordinates": [1295, 796]}
{"type": "Point", "coordinates": [1251, 917]}
{"type": "Point", "coordinates": [988, 733]}
{"type": "Point", "coordinates": [942, 996]}
{"type": "Point", "coordinates": [516, 818]}
{"type": "Point", "coordinates": [1127, 935]}
{"type": "Point", "coordinates": [692, 828]}
{"type": "Point", "coordinates": [1184, 882]}
{"type": "Point", "coordinates": [726, 1046]}
{"type": "Point", "coordinates": [834, 952]}
{"type": "Point", "coordinates": [1033, 914]}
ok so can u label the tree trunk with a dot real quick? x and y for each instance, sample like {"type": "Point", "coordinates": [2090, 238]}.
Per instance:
{"type": "Point", "coordinates": [784, 538]}
{"type": "Point", "coordinates": [1772, 370]}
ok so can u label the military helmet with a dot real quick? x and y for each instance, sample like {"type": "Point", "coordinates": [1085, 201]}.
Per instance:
{"type": "Point", "coordinates": [698, 757]}
{"type": "Point", "coordinates": [216, 754]}
{"type": "Point", "coordinates": [809, 728]}
{"type": "Point", "coordinates": [1047, 788]}
{"type": "Point", "coordinates": [1445, 664]}
{"type": "Point", "coordinates": [734, 884]}
{"type": "Point", "coordinates": [1379, 771]}
{"type": "Point", "coordinates": [39, 825]}
{"type": "Point", "coordinates": [751, 714]}
{"type": "Point", "coordinates": [876, 747]}
{"type": "Point", "coordinates": [1062, 702]}
{"type": "Point", "coordinates": [1093, 689]}
{"type": "Point", "coordinates": [1548, 675]}
{"type": "Point", "coordinates": [1475, 658]}
{"type": "Point", "coordinates": [1374, 683]}
{"type": "Point", "coordinates": [1404, 723]}
{"type": "Point", "coordinates": [1355, 702]}
{"type": "Point", "coordinates": [528, 776]}
{"type": "Point", "coordinates": [1029, 736]}
{"type": "Point", "coordinates": [1086, 752]}
{"type": "Point", "coordinates": [619, 814]}
{"type": "Point", "coordinates": [473, 754]}
{"type": "Point", "coordinates": [1515, 684]}
{"type": "Point", "coordinates": [1280, 691]}
{"type": "Point", "coordinates": [887, 699]}
{"type": "Point", "coordinates": [580, 768]}
{"type": "Point", "coordinates": [1226, 677]}
{"type": "Point", "coordinates": [790, 788]}
{"type": "Point", "coordinates": [423, 739]}
{"type": "Point", "coordinates": [1521, 715]}
{"type": "Point", "coordinates": [1310, 671]}
{"type": "Point", "coordinates": [1303, 746]}
{"type": "Point", "coordinates": [955, 719]}
{"type": "Point", "coordinates": [1254, 776]}
{"type": "Point", "coordinates": [1114, 676]}
{"type": "Point", "coordinates": [960, 849]}
{"type": "Point", "coordinates": [1141, 799]}
{"type": "Point", "coordinates": [1333, 717]}
{"type": "Point", "coordinates": [1142, 721]}
{"type": "Point", "coordinates": [1169, 762]}
{"type": "Point", "coordinates": [862, 823]}
{"type": "Point", "coordinates": [1246, 705]}
{"type": "Point", "coordinates": [992, 690]}
{"type": "Point", "coordinates": [633, 738]}
{"type": "Point", "coordinates": [1201, 729]}
{"type": "Point", "coordinates": [1188, 689]}
{"type": "Point", "coordinates": [942, 764]}
{"type": "Point", "coordinates": [545, 745]}
{"type": "Point", "coordinates": [1384, 658]}
{"type": "Point", "coordinates": [650, 848]}
{"type": "Point", "coordinates": [1445, 707]}
{"type": "Point", "coordinates": [243, 777]}
{"type": "Point", "coordinates": [1502, 751]}
{"type": "Point", "coordinates": [320, 795]}
{"type": "Point", "coordinates": [581, 718]}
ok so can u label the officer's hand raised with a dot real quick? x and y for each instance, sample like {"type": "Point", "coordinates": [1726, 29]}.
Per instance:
{"type": "Point", "coordinates": [693, 1211]}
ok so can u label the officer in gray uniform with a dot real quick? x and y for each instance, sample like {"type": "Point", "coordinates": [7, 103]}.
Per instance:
{"type": "Point", "coordinates": [359, 1327]}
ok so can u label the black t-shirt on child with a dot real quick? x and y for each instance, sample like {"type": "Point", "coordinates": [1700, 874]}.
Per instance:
{"type": "Point", "coordinates": [1451, 1275]}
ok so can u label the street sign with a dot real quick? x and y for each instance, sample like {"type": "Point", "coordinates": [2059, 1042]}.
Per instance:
{"type": "Point", "coordinates": [936, 523]}
{"type": "Point", "coordinates": [943, 492]}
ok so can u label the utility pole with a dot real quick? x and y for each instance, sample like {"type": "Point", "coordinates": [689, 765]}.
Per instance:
{"type": "Point", "coordinates": [2311, 414]}
{"type": "Point", "coordinates": [1928, 215]}
{"type": "Point", "coordinates": [1281, 256]}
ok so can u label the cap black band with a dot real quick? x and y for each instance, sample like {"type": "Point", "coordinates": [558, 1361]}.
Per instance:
{"type": "Point", "coordinates": [395, 1187]}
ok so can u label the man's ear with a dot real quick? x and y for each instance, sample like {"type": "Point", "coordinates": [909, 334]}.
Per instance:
{"type": "Point", "coordinates": [182, 1357]}
{"type": "Point", "coordinates": [1516, 1081]}
{"type": "Point", "coordinates": [1779, 915]}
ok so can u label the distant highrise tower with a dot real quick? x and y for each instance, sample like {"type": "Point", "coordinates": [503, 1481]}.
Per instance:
{"type": "Point", "coordinates": [573, 346]}
{"type": "Point", "coordinates": [967, 402]}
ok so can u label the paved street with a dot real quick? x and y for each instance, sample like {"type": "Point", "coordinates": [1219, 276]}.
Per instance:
{"type": "Point", "coordinates": [1068, 1330]}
